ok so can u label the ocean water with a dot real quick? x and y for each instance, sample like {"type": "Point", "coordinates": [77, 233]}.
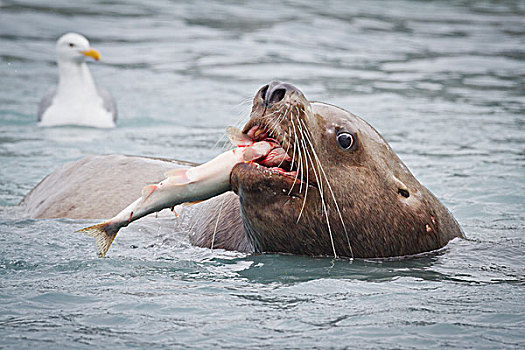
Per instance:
{"type": "Point", "coordinates": [443, 81]}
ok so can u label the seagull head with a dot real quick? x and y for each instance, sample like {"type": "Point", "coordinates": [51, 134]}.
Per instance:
{"type": "Point", "coordinates": [73, 47]}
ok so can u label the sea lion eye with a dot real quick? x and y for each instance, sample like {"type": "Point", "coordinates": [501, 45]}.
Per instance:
{"type": "Point", "coordinates": [71, 45]}
{"type": "Point", "coordinates": [345, 140]}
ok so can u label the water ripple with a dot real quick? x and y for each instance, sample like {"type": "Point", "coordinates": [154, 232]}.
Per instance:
{"type": "Point", "coordinates": [442, 81]}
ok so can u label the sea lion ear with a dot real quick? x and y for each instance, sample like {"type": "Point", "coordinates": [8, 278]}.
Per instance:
{"type": "Point", "coordinates": [402, 189]}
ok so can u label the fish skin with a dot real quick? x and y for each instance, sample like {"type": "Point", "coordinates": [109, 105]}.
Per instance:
{"type": "Point", "coordinates": [237, 138]}
{"type": "Point", "coordinates": [182, 185]}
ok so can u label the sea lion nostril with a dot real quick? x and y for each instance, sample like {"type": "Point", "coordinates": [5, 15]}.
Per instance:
{"type": "Point", "coordinates": [264, 89]}
{"type": "Point", "coordinates": [275, 95]}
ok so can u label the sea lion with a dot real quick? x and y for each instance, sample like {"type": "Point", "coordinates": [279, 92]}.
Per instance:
{"type": "Point", "coordinates": [345, 192]}
{"type": "Point", "coordinates": [94, 187]}
{"type": "Point", "coordinates": [352, 196]}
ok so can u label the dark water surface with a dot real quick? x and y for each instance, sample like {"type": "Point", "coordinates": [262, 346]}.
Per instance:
{"type": "Point", "coordinates": [443, 81]}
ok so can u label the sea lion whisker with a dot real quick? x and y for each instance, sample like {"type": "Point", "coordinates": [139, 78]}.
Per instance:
{"type": "Point", "coordinates": [295, 146]}
{"type": "Point", "coordinates": [299, 163]}
{"type": "Point", "coordinates": [324, 206]}
{"type": "Point", "coordinates": [275, 122]}
{"type": "Point", "coordinates": [270, 126]}
{"type": "Point", "coordinates": [286, 151]}
{"type": "Point", "coordinates": [333, 196]}
{"type": "Point", "coordinates": [301, 170]}
{"type": "Point", "coordinates": [271, 114]}
{"type": "Point", "coordinates": [273, 125]}
{"type": "Point", "coordinates": [321, 193]}
{"type": "Point", "coordinates": [287, 147]}
{"type": "Point", "coordinates": [323, 201]}
{"type": "Point", "coordinates": [307, 135]}
{"type": "Point", "coordinates": [217, 224]}
{"type": "Point", "coordinates": [303, 145]}
{"type": "Point", "coordinates": [306, 187]}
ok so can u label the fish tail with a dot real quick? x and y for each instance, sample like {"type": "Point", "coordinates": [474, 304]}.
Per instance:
{"type": "Point", "coordinates": [104, 234]}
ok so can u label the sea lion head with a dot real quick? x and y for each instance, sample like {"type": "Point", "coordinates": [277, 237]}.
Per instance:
{"type": "Point", "coordinates": [335, 187]}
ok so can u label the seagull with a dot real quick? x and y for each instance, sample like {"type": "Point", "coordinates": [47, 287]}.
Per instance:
{"type": "Point", "coordinates": [76, 100]}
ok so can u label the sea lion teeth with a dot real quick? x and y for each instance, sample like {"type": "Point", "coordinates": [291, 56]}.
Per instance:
{"type": "Point", "coordinates": [258, 133]}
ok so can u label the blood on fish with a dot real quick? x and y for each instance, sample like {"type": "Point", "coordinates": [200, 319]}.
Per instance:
{"type": "Point", "coordinates": [153, 188]}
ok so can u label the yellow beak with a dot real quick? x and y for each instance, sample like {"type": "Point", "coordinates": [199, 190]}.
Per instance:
{"type": "Point", "coordinates": [92, 53]}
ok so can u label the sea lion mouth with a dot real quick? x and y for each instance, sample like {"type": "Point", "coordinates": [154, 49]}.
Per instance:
{"type": "Point", "coordinates": [278, 160]}
{"type": "Point", "coordinates": [276, 120]}
{"type": "Point", "coordinates": [278, 166]}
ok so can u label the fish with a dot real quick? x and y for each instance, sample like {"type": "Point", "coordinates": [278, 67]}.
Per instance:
{"type": "Point", "coordinates": [183, 185]}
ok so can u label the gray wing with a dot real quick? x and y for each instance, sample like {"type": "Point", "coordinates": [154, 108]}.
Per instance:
{"type": "Point", "coordinates": [46, 101]}
{"type": "Point", "coordinates": [109, 102]}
